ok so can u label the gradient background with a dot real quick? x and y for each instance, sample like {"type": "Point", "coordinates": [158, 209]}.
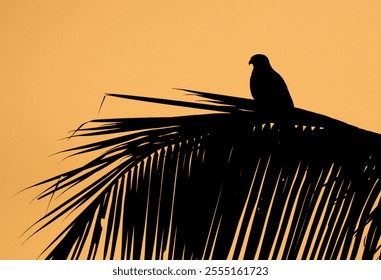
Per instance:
{"type": "Point", "coordinates": [58, 58]}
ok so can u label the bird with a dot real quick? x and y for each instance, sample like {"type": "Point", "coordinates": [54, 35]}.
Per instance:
{"type": "Point", "coordinates": [268, 88]}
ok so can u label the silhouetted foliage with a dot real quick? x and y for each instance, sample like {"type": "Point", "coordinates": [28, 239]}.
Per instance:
{"type": "Point", "coordinates": [234, 184]}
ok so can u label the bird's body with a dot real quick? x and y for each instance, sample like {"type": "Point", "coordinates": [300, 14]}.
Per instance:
{"type": "Point", "coordinates": [268, 88]}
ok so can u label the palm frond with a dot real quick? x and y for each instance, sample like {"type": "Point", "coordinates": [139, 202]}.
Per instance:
{"type": "Point", "coordinates": [229, 185]}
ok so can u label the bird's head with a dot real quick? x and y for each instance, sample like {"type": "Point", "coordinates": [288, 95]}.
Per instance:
{"type": "Point", "coordinates": [259, 60]}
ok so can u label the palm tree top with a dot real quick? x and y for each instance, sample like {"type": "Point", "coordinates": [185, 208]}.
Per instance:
{"type": "Point", "coordinates": [236, 183]}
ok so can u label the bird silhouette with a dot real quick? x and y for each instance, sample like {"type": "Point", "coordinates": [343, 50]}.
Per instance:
{"type": "Point", "coordinates": [268, 88]}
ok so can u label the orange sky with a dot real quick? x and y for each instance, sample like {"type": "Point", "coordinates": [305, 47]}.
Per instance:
{"type": "Point", "coordinates": [58, 58]}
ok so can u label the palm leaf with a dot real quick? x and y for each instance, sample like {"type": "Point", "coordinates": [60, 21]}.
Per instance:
{"type": "Point", "coordinates": [232, 184]}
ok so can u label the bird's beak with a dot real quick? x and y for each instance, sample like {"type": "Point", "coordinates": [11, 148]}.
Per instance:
{"type": "Point", "coordinates": [250, 62]}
